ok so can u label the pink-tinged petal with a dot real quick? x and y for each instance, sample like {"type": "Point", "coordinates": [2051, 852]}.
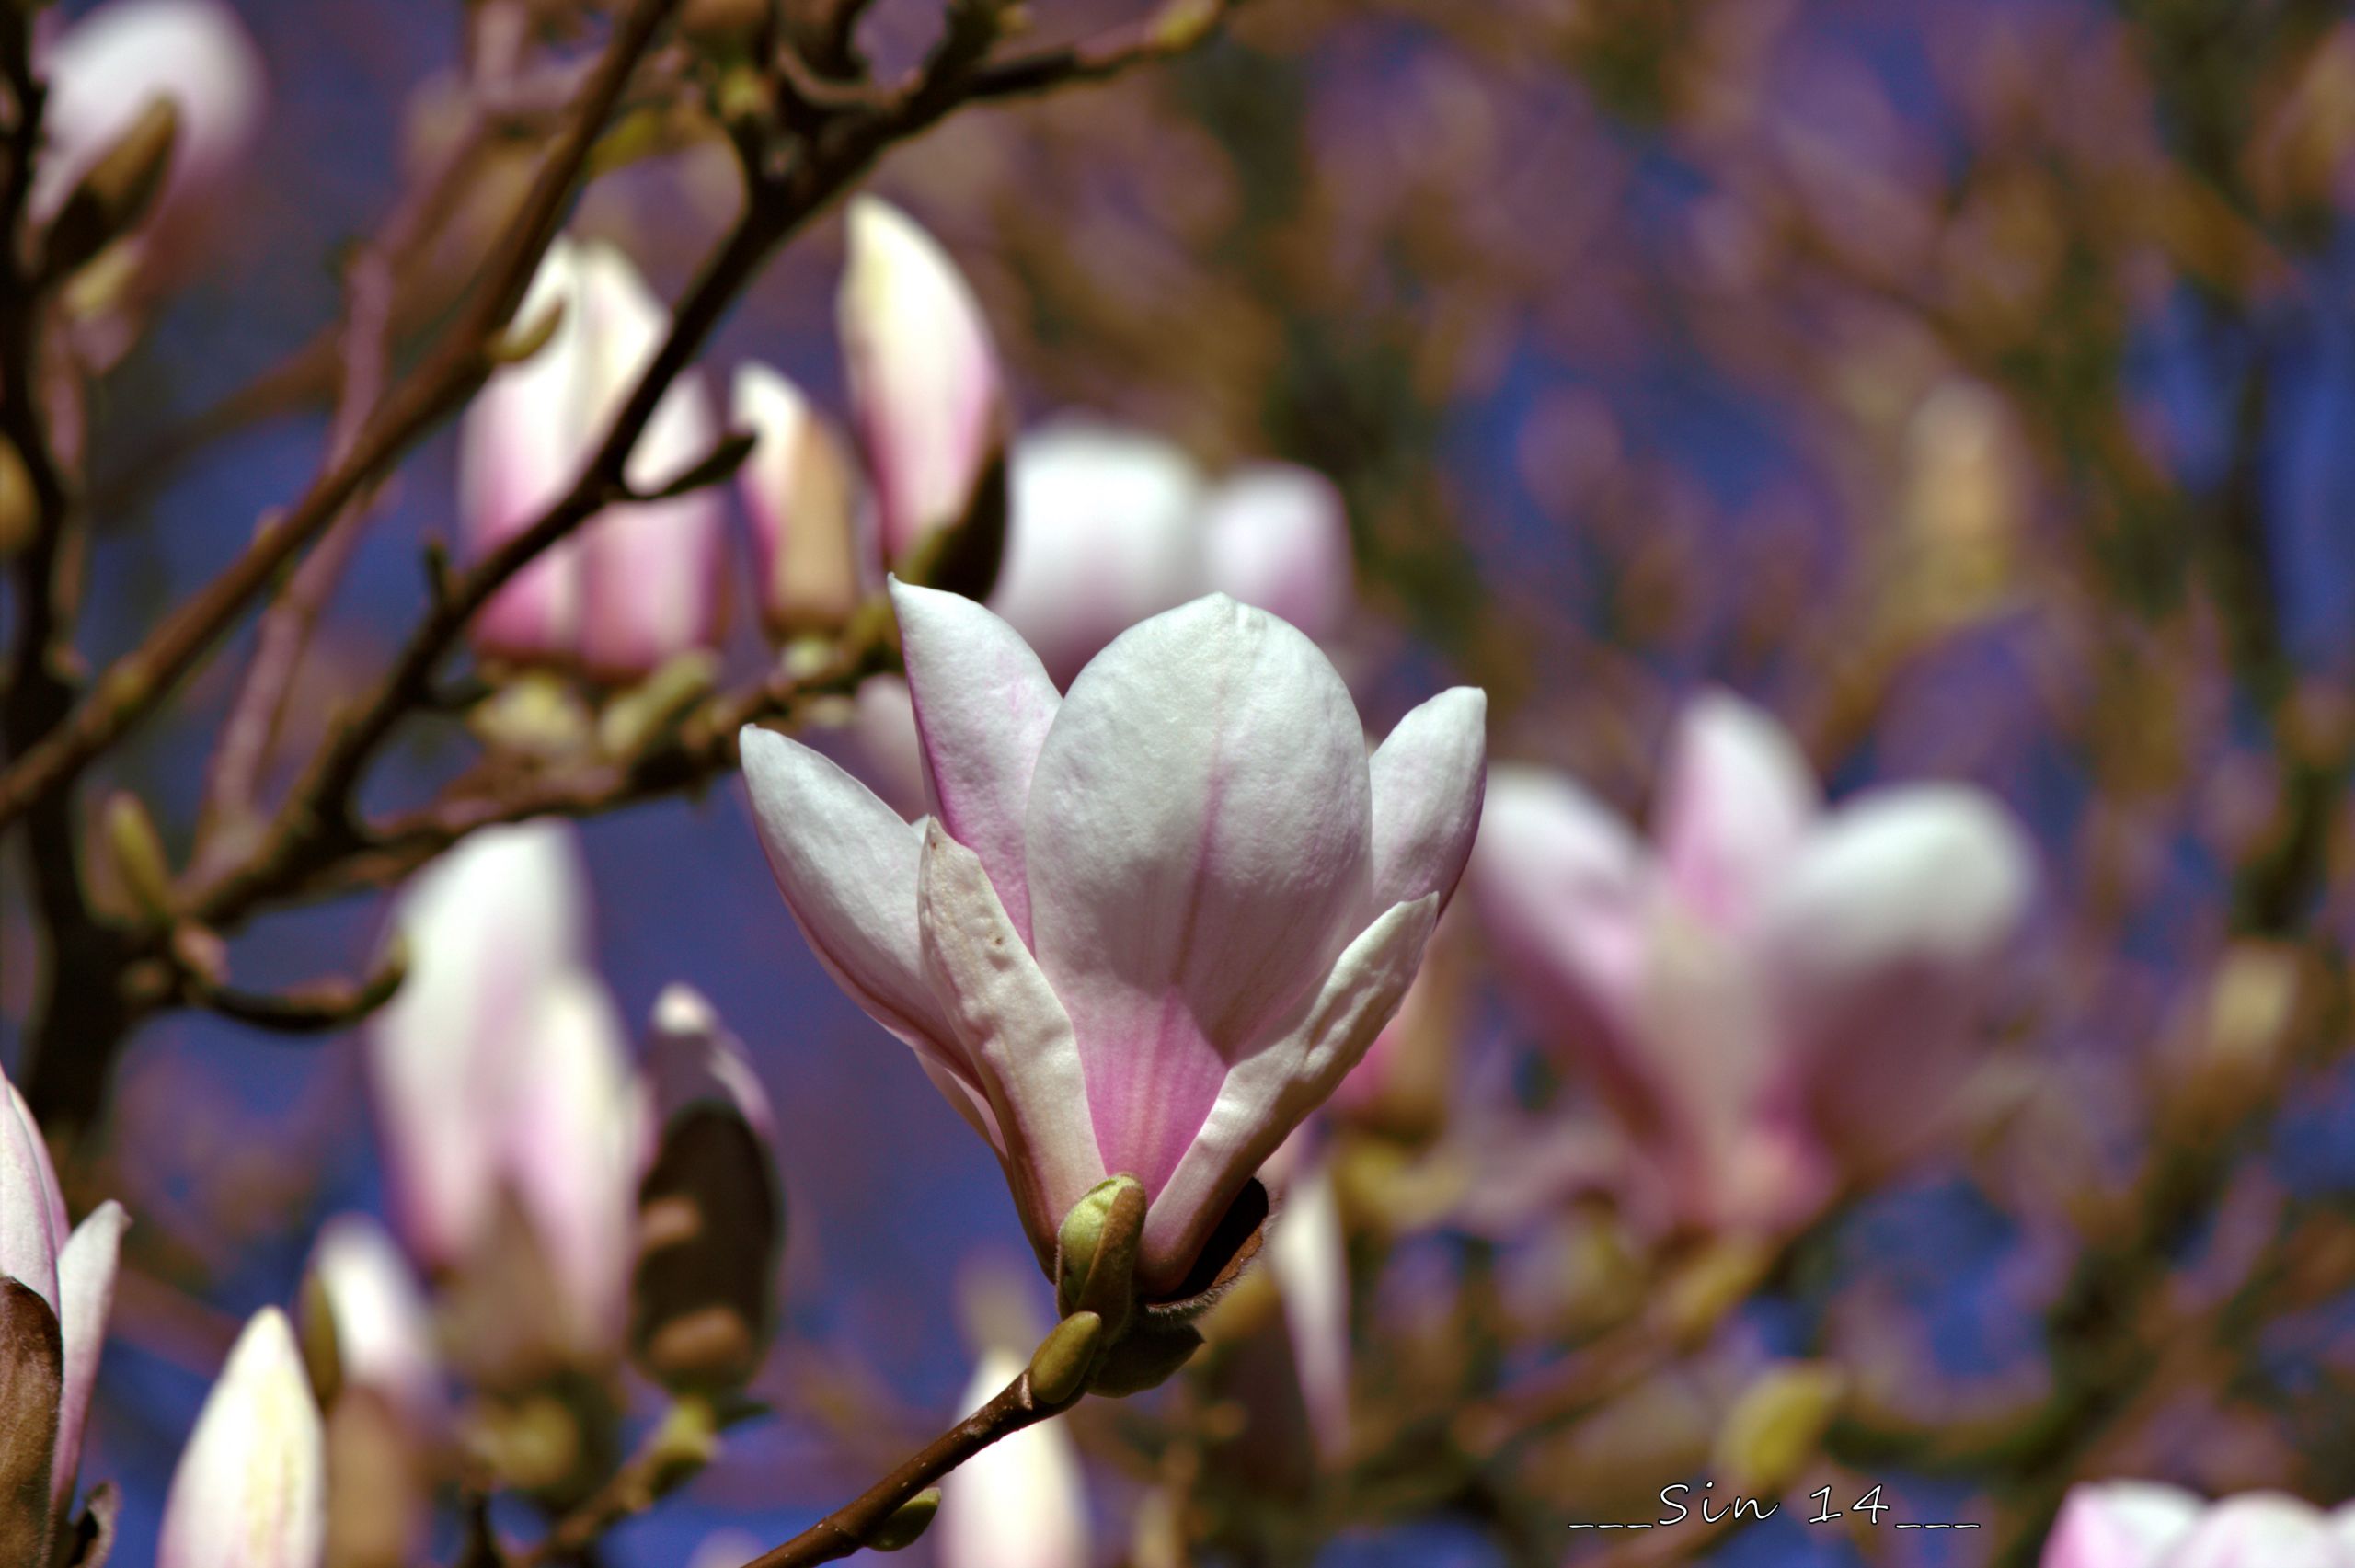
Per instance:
{"type": "Point", "coordinates": [383, 1332]}
{"type": "Point", "coordinates": [106, 69]}
{"type": "Point", "coordinates": [487, 928]}
{"type": "Point", "coordinates": [250, 1491]}
{"type": "Point", "coordinates": [1278, 537]}
{"type": "Point", "coordinates": [1736, 798]}
{"type": "Point", "coordinates": [1199, 855]}
{"type": "Point", "coordinates": [1427, 780]}
{"type": "Point", "coordinates": [847, 864]}
{"type": "Point", "coordinates": [2260, 1529]}
{"type": "Point", "coordinates": [32, 1210]}
{"type": "Point", "coordinates": [924, 379]}
{"type": "Point", "coordinates": [983, 708]}
{"type": "Point", "coordinates": [1309, 1257]}
{"type": "Point", "coordinates": [1020, 1502]}
{"type": "Point", "coordinates": [1564, 892]}
{"type": "Point", "coordinates": [1105, 532]}
{"type": "Point", "coordinates": [649, 572]}
{"type": "Point", "coordinates": [1015, 1032]}
{"type": "Point", "coordinates": [1272, 1091]}
{"type": "Point", "coordinates": [797, 492]}
{"type": "Point", "coordinates": [572, 1141]}
{"type": "Point", "coordinates": [2120, 1524]}
{"type": "Point", "coordinates": [520, 447]}
{"type": "Point", "coordinates": [1880, 940]}
{"type": "Point", "coordinates": [85, 1275]}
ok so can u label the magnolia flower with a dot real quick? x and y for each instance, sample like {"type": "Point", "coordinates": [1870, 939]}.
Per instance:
{"type": "Point", "coordinates": [250, 1491]}
{"type": "Point", "coordinates": [52, 1334]}
{"type": "Point", "coordinates": [383, 1334]}
{"type": "Point", "coordinates": [639, 582]}
{"type": "Point", "coordinates": [503, 1074]}
{"type": "Point", "coordinates": [1020, 1502]}
{"type": "Point", "coordinates": [925, 397]}
{"type": "Point", "coordinates": [1769, 987]}
{"type": "Point", "coordinates": [1110, 526]}
{"type": "Point", "coordinates": [798, 491]}
{"type": "Point", "coordinates": [105, 70]}
{"type": "Point", "coordinates": [1151, 924]}
{"type": "Point", "coordinates": [2137, 1524]}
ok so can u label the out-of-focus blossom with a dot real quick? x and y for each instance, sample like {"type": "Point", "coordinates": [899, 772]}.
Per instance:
{"type": "Point", "coordinates": [2138, 1524]}
{"type": "Point", "coordinates": [926, 393]}
{"type": "Point", "coordinates": [382, 1334]}
{"type": "Point", "coordinates": [1308, 1256]}
{"type": "Point", "coordinates": [1020, 1502]}
{"type": "Point", "coordinates": [1110, 526]}
{"type": "Point", "coordinates": [109, 65]}
{"type": "Point", "coordinates": [711, 1213]}
{"type": "Point", "coordinates": [639, 582]}
{"type": "Point", "coordinates": [250, 1491]}
{"type": "Point", "coordinates": [798, 490]}
{"type": "Point", "coordinates": [51, 1356]}
{"type": "Point", "coordinates": [1153, 922]}
{"type": "Point", "coordinates": [502, 1073]}
{"type": "Point", "coordinates": [1767, 991]}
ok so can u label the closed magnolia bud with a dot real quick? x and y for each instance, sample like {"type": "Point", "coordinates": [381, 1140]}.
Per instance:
{"type": "Point", "coordinates": [798, 491]}
{"type": "Point", "coordinates": [1096, 1248]}
{"type": "Point", "coordinates": [250, 1491]}
{"type": "Point", "coordinates": [908, 1522]}
{"type": "Point", "coordinates": [1061, 1361]}
{"type": "Point", "coordinates": [923, 381]}
{"type": "Point", "coordinates": [711, 1213]}
{"type": "Point", "coordinates": [118, 191]}
{"type": "Point", "coordinates": [1776, 1426]}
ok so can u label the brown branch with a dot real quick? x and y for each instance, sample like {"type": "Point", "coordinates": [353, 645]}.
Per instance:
{"type": "Point", "coordinates": [849, 1527]}
{"type": "Point", "coordinates": [138, 683]}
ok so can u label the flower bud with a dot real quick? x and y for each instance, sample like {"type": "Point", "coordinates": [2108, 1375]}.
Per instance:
{"type": "Point", "coordinates": [710, 1215]}
{"type": "Point", "coordinates": [1146, 1357]}
{"type": "Point", "coordinates": [364, 1324]}
{"type": "Point", "coordinates": [1096, 1266]}
{"type": "Point", "coordinates": [1279, 538]}
{"type": "Point", "coordinates": [138, 852]}
{"type": "Point", "coordinates": [116, 191]}
{"type": "Point", "coordinates": [1020, 1502]}
{"type": "Point", "coordinates": [250, 1491]}
{"type": "Point", "coordinates": [923, 381]}
{"type": "Point", "coordinates": [1060, 1366]}
{"type": "Point", "coordinates": [908, 1522]}
{"type": "Point", "coordinates": [797, 492]}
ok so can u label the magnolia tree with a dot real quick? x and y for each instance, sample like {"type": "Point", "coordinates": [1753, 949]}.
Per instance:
{"type": "Point", "coordinates": [1127, 768]}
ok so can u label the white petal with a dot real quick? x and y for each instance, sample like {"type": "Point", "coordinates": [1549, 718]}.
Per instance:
{"type": "Point", "coordinates": [106, 67]}
{"type": "Point", "coordinates": [924, 378]}
{"type": "Point", "coordinates": [1271, 1091]}
{"type": "Point", "coordinates": [1427, 781]}
{"type": "Point", "coordinates": [1020, 1502]}
{"type": "Point", "coordinates": [1015, 1032]}
{"type": "Point", "coordinates": [32, 1210]}
{"type": "Point", "coordinates": [982, 707]}
{"type": "Point", "coordinates": [1309, 1257]}
{"type": "Point", "coordinates": [1881, 939]}
{"type": "Point", "coordinates": [2259, 1529]}
{"type": "Point", "coordinates": [1736, 797]}
{"type": "Point", "coordinates": [797, 490]}
{"type": "Point", "coordinates": [488, 927]}
{"type": "Point", "coordinates": [250, 1491]}
{"type": "Point", "coordinates": [86, 1276]}
{"type": "Point", "coordinates": [2120, 1524]}
{"type": "Point", "coordinates": [1198, 854]}
{"type": "Point", "coordinates": [846, 864]}
{"type": "Point", "coordinates": [384, 1335]}
{"type": "Point", "coordinates": [1105, 532]}
{"type": "Point", "coordinates": [1279, 538]}
{"type": "Point", "coordinates": [570, 1148]}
